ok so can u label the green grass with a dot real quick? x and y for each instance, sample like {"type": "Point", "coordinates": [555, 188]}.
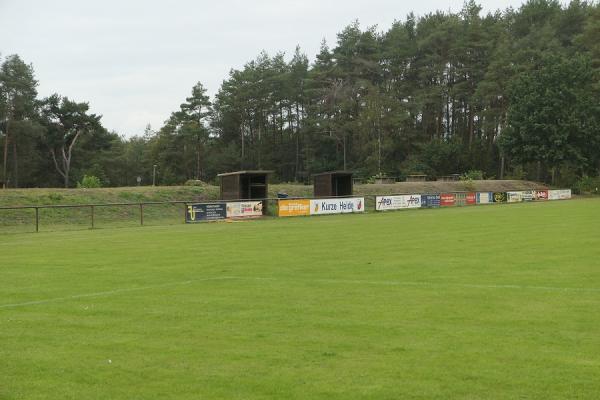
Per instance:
{"type": "Point", "coordinates": [490, 302]}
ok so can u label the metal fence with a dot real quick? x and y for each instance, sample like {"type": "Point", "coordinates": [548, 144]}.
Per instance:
{"type": "Point", "coordinates": [34, 218]}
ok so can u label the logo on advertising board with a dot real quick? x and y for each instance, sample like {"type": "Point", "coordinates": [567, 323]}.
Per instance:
{"type": "Point", "coordinates": [447, 199]}
{"type": "Point", "coordinates": [205, 212]}
{"type": "Point", "coordinates": [397, 202]}
{"type": "Point", "coordinates": [499, 197]}
{"type": "Point", "coordinates": [243, 209]}
{"type": "Point", "coordinates": [291, 208]}
{"type": "Point", "coordinates": [541, 195]}
{"type": "Point", "coordinates": [337, 206]}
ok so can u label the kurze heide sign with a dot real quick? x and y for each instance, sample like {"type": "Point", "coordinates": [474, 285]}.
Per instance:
{"type": "Point", "coordinates": [337, 206]}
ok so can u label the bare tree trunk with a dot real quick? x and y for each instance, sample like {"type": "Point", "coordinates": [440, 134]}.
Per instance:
{"type": "Point", "coordinates": [197, 158]}
{"type": "Point", "coordinates": [242, 135]}
{"type": "Point", "coordinates": [5, 164]}
{"type": "Point", "coordinates": [15, 164]}
{"type": "Point", "coordinates": [471, 126]}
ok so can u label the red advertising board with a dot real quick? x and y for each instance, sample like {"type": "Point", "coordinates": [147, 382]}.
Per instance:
{"type": "Point", "coordinates": [447, 199]}
{"type": "Point", "coordinates": [471, 198]}
{"type": "Point", "coordinates": [541, 195]}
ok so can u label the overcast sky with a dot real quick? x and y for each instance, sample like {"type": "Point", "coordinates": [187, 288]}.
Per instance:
{"type": "Point", "coordinates": [135, 61]}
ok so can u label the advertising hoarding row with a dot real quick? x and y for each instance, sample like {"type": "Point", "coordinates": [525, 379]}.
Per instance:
{"type": "Point", "coordinates": [297, 207]}
{"type": "Point", "coordinates": [218, 211]}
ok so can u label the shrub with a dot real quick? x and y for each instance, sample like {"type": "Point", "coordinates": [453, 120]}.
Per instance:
{"type": "Point", "coordinates": [472, 175]}
{"type": "Point", "coordinates": [89, 182]}
{"type": "Point", "coordinates": [587, 184]}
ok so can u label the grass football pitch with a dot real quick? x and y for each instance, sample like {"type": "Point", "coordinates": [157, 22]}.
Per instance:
{"type": "Point", "coordinates": [489, 302]}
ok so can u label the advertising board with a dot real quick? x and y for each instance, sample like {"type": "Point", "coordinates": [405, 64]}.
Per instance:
{"type": "Point", "coordinates": [430, 200]}
{"type": "Point", "coordinates": [244, 209]}
{"type": "Point", "coordinates": [528, 195]}
{"type": "Point", "coordinates": [471, 198]}
{"type": "Point", "coordinates": [293, 208]}
{"type": "Point", "coordinates": [541, 195]}
{"type": "Point", "coordinates": [564, 194]}
{"type": "Point", "coordinates": [514, 197]}
{"type": "Point", "coordinates": [399, 202]}
{"type": "Point", "coordinates": [205, 212]}
{"type": "Point", "coordinates": [484, 197]}
{"type": "Point", "coordinates": [337, 206]}
{"type": "Point", "coordinates": [460, 199]}
{"type": "Point", "coordinates": [447, 199]}
{"type": "Point", "coordinates": [553, 194]}
{"type": "Point", "coordinates": [499, 197]}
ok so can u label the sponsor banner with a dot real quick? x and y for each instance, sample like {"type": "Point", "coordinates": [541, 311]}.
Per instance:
{"type": "Point", "coordinates": [541, 194]}
{"type": "Point", "coordinates": [561, 194]}
{"type": "Point", "coordinates": [553, 194]}
{"type": "Point", "coordinates": [430, 200]}
{"type": "Point", "coordinates": [205, 212]}
{"type": "Point", "coordinates": [337, 206]}
{"type": "Point", "coordinates": [447, 199]}
{"type": "Point", "coordinates": [383, 203]}
{"type": "Point", "coordinates": [292, 208]}
{"type": "Point", "coordinates": [528, 195]}
{"type": "Point", "coordinates": [471, 198]}
{"type": "Point", "coordinates": [460, 199]}
{"type": "Point", "coordinates": [243, 209]}
{"type": "Point", "coordinates": [514, 197]}
{"type": "Point", "coordinates": [564, 194]}
{"type": "Point", "coordinates": [484, 197]}
{"type": "Point", "coordinates": [499, 197]}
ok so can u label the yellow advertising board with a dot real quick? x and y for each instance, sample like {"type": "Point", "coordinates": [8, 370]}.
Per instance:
{"type": "Point", "coordinates": [292, 208]}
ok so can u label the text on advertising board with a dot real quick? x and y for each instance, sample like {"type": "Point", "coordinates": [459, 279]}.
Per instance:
{"type": "Point", "coordinates": [397, 202]}
{"type": "Point", "coordinates": [205, 212]}
{"type": "Point", "coordinates": [337, 206]}
{"type": "Point", "coordinates": [291, 208]}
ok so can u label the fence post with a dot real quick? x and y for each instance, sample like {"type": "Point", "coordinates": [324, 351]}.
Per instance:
{"type": "Point", "coordinates": [141, 214]}
{"type": "Point", "coordinates": [37, 219]}
{"type": "Point", "coordinates": [92, 215]}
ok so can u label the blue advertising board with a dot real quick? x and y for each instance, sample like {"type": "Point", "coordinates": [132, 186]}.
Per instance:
{"type": "Point", "coordinates": [205, 212]}
{"type": "Point", "coordinates": [430, 200]}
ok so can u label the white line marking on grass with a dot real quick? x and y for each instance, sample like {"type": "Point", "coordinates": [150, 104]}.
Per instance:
{"type": "Point", "coordinates": [111, 292]}
{"type": "Point", "coordinates": [465, 285]}
{"type": "Point", "coordinates": [339, 281]}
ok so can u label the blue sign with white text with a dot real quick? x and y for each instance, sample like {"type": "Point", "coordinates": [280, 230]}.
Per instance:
{"type": "Point", "coordinates": [430, 200]}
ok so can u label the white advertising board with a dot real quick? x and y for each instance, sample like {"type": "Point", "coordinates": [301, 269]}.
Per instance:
{"type": "Point", "coordinates": [383, 203]}
{"type": "Point", "coordinates": [514, 197]}
{"type": "Point", "coordinates": [337, 206]}
{"type": "Point", "coordinates": [564, 194]}
{"type": "Point", "coordinates": [485, 197]}
{"type": "Point", "coordinates": [241, 209]}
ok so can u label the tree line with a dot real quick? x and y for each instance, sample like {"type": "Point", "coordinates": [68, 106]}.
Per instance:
{"type": "Point", "coordinates": [512, 93]}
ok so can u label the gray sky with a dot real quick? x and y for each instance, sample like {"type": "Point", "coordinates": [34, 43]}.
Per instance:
{"type": "Point", "coordinates": [135, 61]}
